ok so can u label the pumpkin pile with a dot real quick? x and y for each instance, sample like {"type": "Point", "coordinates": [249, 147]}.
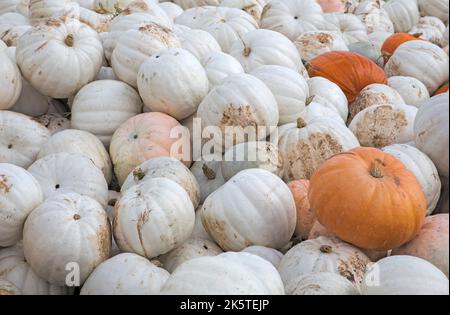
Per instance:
{"type": "Point", "coordinates": [118, 174]}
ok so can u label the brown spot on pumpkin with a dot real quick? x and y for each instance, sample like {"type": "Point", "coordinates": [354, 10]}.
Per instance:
{"type": "Point", "coordinates": [354, 268]}
{"type": "Point", "coordinates": [104, 240]}
{"type": "Point", "coordinates": [161, 33]}
{"type": "Point", "coordinates": [41, 46]}
{"type": "Point", "coordinates": [364, 100]}
{"type": "Point", "coordinates": [4, 186]}
{"type": "Point", "coordinates": [143, 218]}
{"type": "Point", "coordinates": [53, 22]}
{"type": "Point", "coordinates": [243, 116]}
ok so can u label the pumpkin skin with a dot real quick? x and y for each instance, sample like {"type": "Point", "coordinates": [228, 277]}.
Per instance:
{"type": "Point", "coordinates": [199, 231]}
{"type": "Point", "coordinates": [197, 42]}
{"type": "Point", "coordinates": [372, 14]}
{"type": "Point", "coordinates": [370, 50]}
{"type": "Point", "coordinates": [328, 94]}
{"type": "Point", "coordinates": [102, 106]}
{"type": "Point", "coordinates": [54, 122]}
{"type": "Point", "coordinates": [225, 274]}
{"type": "Point", "coordinates": [10, 82]}
{"type": "Point", "coordinates": [141, 138]}
{"type": "Point", "coordinates": [209, 176]}
{"type": "Point", "coordinates": [15, 183]}
{"type": "Point", "coordinates": [323, 254]}
{"type": "Point", "coordinates": [412, 91]}
{"type": "Point", "coordinates": [322, 283]}
{"type": "Point", "coordinates": [20, 138]}
{"type": "Point", "coordinates": [305, 216]}
{"type": "Point", "coordinates": [98, 22]}
{"type": "Point", "coordinates": [391, 44]}
{"type": "Point", "coordinates": [71, 44]}
{"type": "Point", "coordinates": [315, 110]}
{"type": "Point", "coordinates": [172, 10]}
{"type": "Point", "coordinates": [166, 167]}
{"type": "Point", "coordinates": [106, 73]}
{"type": "Point", "coordinates": [153, 217]}
{"type": "Point", "coordinates": [187, 4]}
{"type": "Point", "coordinates": [422, 60]}
{"type": "Point", "coordinates": [125, 274]}
{"type": "Point", "coordinates": [218, 66]}
{"type": "Point", "coordinates": [160, 92]}
{"type": "Point", "coordinates": [404, 275]}
{"type": "Point", "coordinates": [404, 14]}
{"type": "Point", "coordinates": [110, 6]}
{"type": "Point", "coordinates": [383, 223]}
{"type": "Point", "coordinates": [314, 43]}
{"type": "Point", "coordinates": [41, 10]}
{"type": "Point", "coordinates": [274, 224]}
{"type": "Point", "coordinates": [438, 8]}
{"type": "Point", "coordinates": [431, 131]}
{"type": "Point", "coordinates": [350, 71]}
{"type": "Point", "coordinates": [337, 6]}
{"type": "Point", "coordinates": [430, 28]}
{"type": "Point", "coordinates": [431, 243]}
{"type": "Point", "coordinates": [271, 255]}
{"type": "Point", "coordinates": [79, 142]}
{"type": "Point", "coordinates": [252, 7]}
{"type": "Point", "coordinates": [7, 288]}
{"type": "Point", "coordinates": [12, 26]}
{"type": "Point", "coordinates": [351, 28]}
{"type": "Point", "coordinates": [90, 230]}
{"type": "Point", "coordinates": [423, 168]}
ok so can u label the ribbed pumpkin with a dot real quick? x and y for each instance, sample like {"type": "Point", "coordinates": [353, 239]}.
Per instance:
{"type": "Point", "coordinates": [305, 215]}
{"type": "Point", "coordinates": [351, 71]}
{"type": "Point", "coordinates": [395, 40]}
{"type": "Point", "coordinates": [368, 198]}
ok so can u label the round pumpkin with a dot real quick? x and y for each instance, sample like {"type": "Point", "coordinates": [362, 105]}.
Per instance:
{"type": "Point", "coordinates": [271, 255]}
{"type": "Point", "coordinates": [438, 8]}
{"type": "Point", "coordinates": [171, 9]}
{"type": "Point", "coordinates": [373, 15]}
{"type": "Point", "coordinates": [383, 209]}
{"type": "Point", "coordinates": [252, 7]}
{"type": "Point", "coordinates": [209, 176]}
{"type": "Point", "coordinates": [321, 283]}
{"type": "Point", "coordinates": [314, 43]}
{"type": "Point", "coordinates": [305, 216]}
{"type": "Point", "coordinates": [352, 29]}
{"type": "Point", "coordinates": [404, 14]}
{"type": "Point", "coordinates": [218, 66]}
{"type": "Point", "coordinates": [391, 43]}
{"type": "Point", "coordinates": [198, 42]}
{"type": "Point", "coordinates": [412, 91]}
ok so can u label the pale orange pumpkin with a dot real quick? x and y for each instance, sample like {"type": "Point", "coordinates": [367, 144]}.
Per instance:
{"type": "Point", "coordinates": [333, 6]}
{"type": "Point", "coordinates": [392, 42]}
{"type": "Point", "coordinates": [368, 198]}
{"type": "Point", "coordinates": [350, 71]}
{"type": "Point", "coordinates": [305, 216]}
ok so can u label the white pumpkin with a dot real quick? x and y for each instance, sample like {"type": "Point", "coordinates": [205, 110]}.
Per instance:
{"type": "Point", "coordinates": [305, 145]}
{"type": "Point", "coordinates": [187, 4]}
{"type": "Point", "coordinates": [166, 167]}
{"type": "Point", "coordinates": [199, 231]}
{"type": "Point", "coordinates": [429, 33]}
{"type": "Point", "coordinates": [328, 94]}
{"type": "Point", "coordinates": [289, 88]}
{"type": "Point", "coordinates": [431, 131]}
{"type": "Point", "coordinates": [382, 125]}
{"type": "Point", "coordinates": [102, 106]}
{"type": "Point", "coordinates": [264, 47]}
{"type": "Point", "coordinates": [321, 283]}
{"type": "Point", "coordinates": [79, 142]}
{"type": "Point", "coordinates": [153, 217]}
{"type": "Point", "coordinates": [252, 7]}
{"type": "Point", "coordinates": [83, 232]}
{"type": "Point", "coordinates": [7, 288]}
{"type": "Point", "coordinates": [197, 42]}
{"type": "Point", "coordinates": [423, 168]}
{"type": "Point", "coordinates": [438, 8]}
{"type": "Point", "coordinates": [255, 207]}
{"type": "Point", "coordinates": [171, 9]}
{"type": "Point", "coordinates": [314, 43]}
{"type": "Point", "coordinates": [12, 26]}
{"type": "Point", "coordinates": [41, 10]}
{"type": "Point", "coordinates": [10, 82]}
{"type": "Point", "coordinates": [225, 274]}
{"type": "Point", "coordinates": [292, 17]}
{"type": "Point", "coordinates": [404, 275]}
{"type": "Point", "coordinates": [125, 274]}
{"type": "Point", "coordinates": [432, 21]}
{"type": "Point", "coordinates": [54, 122]}
{"type": "Point", "coordinates": [271, 255]}
{"type": "Point", "coordinates": [374, 94]}
{"type": "Point", "coordinates": [209, 176]}
{"type": "Point", "coordinates": [372, 14]}
{"type": "Point", "coordinates": [421, 60]}
{"type": "Point", "coordinates": [136, 45]}
{"type": "Point", "coordinates": [315, 110]}
{"type": "Point", "coordinates": [191, 249]}
{"type": "Point", "coordinates": [404, 14]}
{"type": "Point", "coordinates": [99, 22]}
{"type": "Point", "coordinates": [15, 269]}
{"type": "Point", "coordinates": [413, 91]}
{"type": "Point", "coordinates": [369, 50]}
{"type": "Point", "coordinates": [111, 6]}
{"type": "Point", "coordinates": [191, 16]}
{"type": "Point", "coordinates": [20, 193]}
{"type": "Point", "coordinates": [20, 138]}
{"type": "Point", "coordinates": [160, 92]}
{"type": "Point", "coordinates": [352, 29]}
{"type": "Point", "coordinates": [378, 38]}
{"type": "Point", "coordinates": [323, 254]}
{"type": "Point", "coordinates": [218, 66]}
{"type": "Point", "coordinates": [61, 173]}
{"type": "Point", "coordinates": [72, 46]}
{"type": "Point", "coordinates": [88, 4]}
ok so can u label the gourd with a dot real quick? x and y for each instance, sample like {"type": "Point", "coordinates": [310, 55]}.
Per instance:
{"type": "Point", "coordinates": [305, 215]}
{"type": "Point", "coordinates": [271, 255]}
{"type": "Point", "coordinates": [321, 283]}
{"type": "Point", "coordinates": [98, 22]}
{"type": "Point", "coordinates": [339, 6]}
{"type": "Point", "coordinates": [12, 26]}
{"type": "Point", "coordinates": [413, 91]}
{"type": "Point", "coordinates": [315, 110]}
{"type": "Point", "coordinates": [218, 66]}
{"type": "Point", "coordinates": [373, 15]}
{"type": "Point", "coordinates": [314, 43]}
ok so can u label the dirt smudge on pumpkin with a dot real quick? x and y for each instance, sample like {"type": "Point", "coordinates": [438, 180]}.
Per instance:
{"type": "Point", "coordinates": [104, 240]}
{"type": "Point", "coordinates": [242, 116]}
{"type": "Point", "coordinates": [353, 268]}
{"type": "Point", "coordinates": [4, 186]}
{"type": "Point", "coordinates": [366, 99]}
{"type": "Point", "coordinates": [143, 218]}
{"type": "Point", "coordinates": [53, 22]}
{"type": "Point", "coordinates": [163, 34]}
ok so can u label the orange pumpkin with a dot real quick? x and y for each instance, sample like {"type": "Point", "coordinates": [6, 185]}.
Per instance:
{"type": "Point", "coordinates": [368, 198]}
{"type": "Point", "coordinates": [350, 71]}
{"type": "Point", "coordinates": [392, 42]}
{"type": "Point", "coordinates": [333, 6]}
{"type": "Point", "coordinates": [443, 89]}
{"type": "Point", "coordinates": [305, 216]}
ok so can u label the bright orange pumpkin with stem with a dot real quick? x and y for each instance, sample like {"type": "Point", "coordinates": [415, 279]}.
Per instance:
{"type": "Point", "coordinates": [350, 71]}
{"type": "Point", "coordinates": [392, 42]}
{"type": "Point", "coordinates": [368, 198]}
{"type": "Point", "coordinates": [305, 216]}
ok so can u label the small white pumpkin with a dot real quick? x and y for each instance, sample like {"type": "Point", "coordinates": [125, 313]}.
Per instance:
{"type": "Point", "coordinates": [166, 167]}
{"type": "Point", "coordinates": [438, 8]}
{"type": "Point", "coordinates": [149, 7]}
{"type": "Point", "coordinates": [218, 66]}
{"type": "Point", "coordinates": [197, 42]}
{"type": "Point", "coordinates": [413, 91]}
{"type": "Point", "coordinates": [12, 26]}
{"type": "Point", "coordinates": [404, 275]}
{"type": "Point", "coordinates": [382, 125]}
{"type": "Point", "coordinates": [79, 142]}
{"type": "Point", "coordinates": [225, 274]}
{"type": "Point", "coordinates": [10, 5]}
{"type": "Point", "coordinates": [271, 255]}
{"type": "Point", "coordinates": [162, 93]}
{"type": "Point", "coordinates": [10, 82]}
{"type": "Point", "coordinates": [99, 22]}
{"type": "Point", "coordinates": [15, 184]}
{"type": "Point", "coordinates": [256, 196]}
{"type": "Point", "coordinates": [315, 110]}
{"type": "Point", "coordinates": [209, 176]}
{"type": "Point", "coordinates": [423, 168]}
{"type": "Point", "coordinates": [352, 29]}
{"type": "Point", "coordinates": [125, 274]}
{"type": "Point", "coordinates": [369, 50]}
{"type": "Point", "coordinates": [372, 14]}
{"type": "Point", "coordinates": [404, 14]}
{"type": "Point", "coordinates": [429, 33]}
{"type": "Point", "coordinates": [153, 217]}
{"type": "Point", "coordinates": [252, 7]}
{"type": "Point", "coordinates": [321, 283]}
{"type": "Point", "coordinates": [378, 38]}
{"type": "Point", "coordinates": [171, 9]}
{"type": "Point", "coordinates": [41, 10]}
{"type": "Point", "coordinates": [314, 43]}
{"type": "Point", "coordinates": [83, 231]}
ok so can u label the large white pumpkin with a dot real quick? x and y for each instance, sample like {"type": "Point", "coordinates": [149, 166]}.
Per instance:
{"type": "Point", "coordinates": [404, 14]}
{"type": "Point", "coordinates": [125, 274]}
{"type": "Point", "coordinates": [225, 274]}
{"type": "Point", "coordinates": [21, 138]}
{"type": "Point", "coordinates": [352, 29]}
{"type": "Point", "coordinates": [438, 8]}
{"type": "Point", "coordinates": [197, 42]}
{"type": "Point", "coordinates": [20, 193]}
{"type": "Point", "coordinates": [219, 65]}
{"type": "Point", "coordinates": [404, 275]}
{"type": "Point", "coordinates": [271, 255]}
{"type": "Point", "coordinates": [321, 283]}
{"type": "Point", "coordinates": [66, 229]}
{"type": "Point", "coordinates": [412, 90]}
{"type": "Point", "coordinates": [209, 177]}
{"type": "Point", "coordinates": [62, 173]}
{"type": "Point", "coordinates": [254, 207]}
{"type": "Point", "coordinates": [153, 217]}
{"type": "Point", "coordinates": [74, 49]}
{"type": "Point", "coordinates": [102, 106]}
{"type": "Point", "coordinates": [10, 82]}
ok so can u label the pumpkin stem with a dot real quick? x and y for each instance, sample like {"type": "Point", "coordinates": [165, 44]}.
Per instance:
{"type": "Point", "coordinates": [138, 174]}
{"type": "Point", "coordinates": [375, 171]}
{"type": "Point", "coordinates": [69, 40]}
{"type": "Point", "coordinates": [209, 173]}
{"type": "Point", "coordinates": [76, 217]}
{"type": "Point", "coordinates": [309, 100]}
{"type": "Point", "coordinates": [301, 123]}
{"type": "Point", "coordinates": [246, 52]}
{"type": "Point", "coordinates": [326, 249]}
{"type": "Point", "coordinates": [112, 202]}
{"type": "Point", "coordinates": [417, 35]}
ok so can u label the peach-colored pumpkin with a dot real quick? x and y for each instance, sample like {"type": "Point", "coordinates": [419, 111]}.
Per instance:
{"type": "Point", "coordinates": [143, 137]}
{"type": "Point", "coordinates": [305, 215]}
{"type": "Point", "coordinates": [431, 244]}
{"type": "Point", "coordinates": [333, 6]}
